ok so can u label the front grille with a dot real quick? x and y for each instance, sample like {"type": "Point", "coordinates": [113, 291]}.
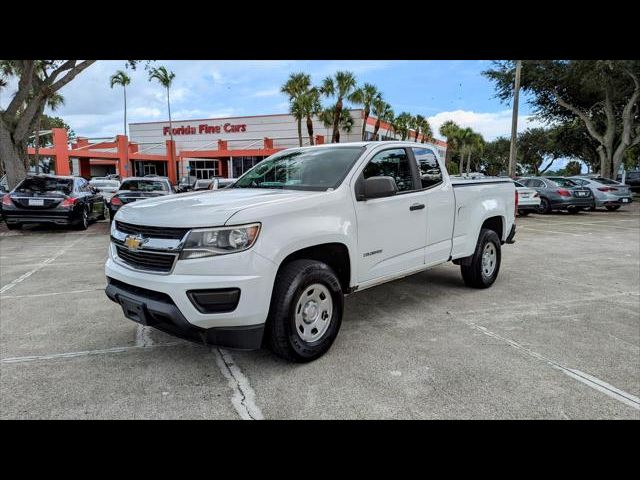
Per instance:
{"type": "Point", "coordinates": [155, 262]}
{"type": "Point", "coordinates": [154, 232]}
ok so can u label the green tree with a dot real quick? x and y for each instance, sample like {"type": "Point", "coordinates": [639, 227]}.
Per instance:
{"type": "Point", "coordinates": [342, 86]}
{"type": "Point", "coordinates": [450, 130]}
{"type": "Point", "coordinates": [345, 120]}
{"type": "Point", "coordinates": [402, 124]}
{"type": "Point", "coordinates": [494, 158]}
{"type": "Point", "coordinates": [295, 88]}
{"type": "Point", "coordinates": [603, 94]}
{"type": "Point", "coordinates": [536, 146]}
{"type": "Point", "coordinates": [165, 78]}
{"type": "Point", "coordinates": [54, 100]}
{"type": "Point", "coordinates": [122, 79]}
{"type": "Point", "coordinates": [425, 129]}
{"type": "Point", "coordinates": [383, 112]}
{"type": "Point", "coordinates": [365, 96]}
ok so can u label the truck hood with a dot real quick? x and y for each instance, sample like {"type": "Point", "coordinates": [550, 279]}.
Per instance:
{"type": "Point", "coordinates": [208, 208]}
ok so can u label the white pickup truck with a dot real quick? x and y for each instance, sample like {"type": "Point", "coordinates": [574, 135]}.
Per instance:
{"type": "Point", "coordinates": [268, 260]}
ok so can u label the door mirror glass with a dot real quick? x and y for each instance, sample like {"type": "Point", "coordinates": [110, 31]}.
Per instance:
{"type": "Point", "coordinates": [378, 187]}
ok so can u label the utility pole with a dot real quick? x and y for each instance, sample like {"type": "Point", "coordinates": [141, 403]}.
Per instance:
{"type": "Point", "coordinates": [514, 121]}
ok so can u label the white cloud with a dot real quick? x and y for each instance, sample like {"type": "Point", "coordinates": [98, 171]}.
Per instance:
{"type": "Point", "coordinates": [490, 124]}
{"type": "Point", "coordinates": [269, 92]}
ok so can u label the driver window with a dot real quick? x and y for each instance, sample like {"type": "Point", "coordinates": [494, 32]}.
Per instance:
{"type": "Point", "coordinates": [430, 173]}
{"type": "Point", "coordinates": [392, 163]}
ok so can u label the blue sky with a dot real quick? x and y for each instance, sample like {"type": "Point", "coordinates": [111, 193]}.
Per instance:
{"type": "Point", "coordinates": [440, 90]}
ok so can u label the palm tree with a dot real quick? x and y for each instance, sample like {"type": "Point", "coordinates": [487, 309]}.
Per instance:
{"type": "Point", "coordinates": [310, 104]}
{"type": "Point", "coordinates": [402, 124]}
{"type": "Point", "coordinates": [418, 123]}
{"type": "Point", "coordinates": [365, 96]}
{"type": "Point", "coordinates": [54, 100]}
{"type": "Point", "coordinates": [466, 139]}
{"type": "Point", "coordinates": [165, 78]}
{"type": "Point", "coordinates": [297, 85]}
{"type": "Point", "coordinates": [345, 121]}
{"type": "Point", "coordinates": [121, 78]}
{"type": "Point", "coordinates": [475, 145]}
{"type": "Point", "coordinates": [425, 128]}
{"type": "Point", "coordinates": [449, 130]}
{"type": "Point", "coordinates": [341, 86]}
{"type": "Point", "coordinates": [383, 112]}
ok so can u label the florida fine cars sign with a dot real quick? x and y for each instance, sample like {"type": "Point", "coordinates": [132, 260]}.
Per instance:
{"type": "Point", "coordinates": [205, 128]}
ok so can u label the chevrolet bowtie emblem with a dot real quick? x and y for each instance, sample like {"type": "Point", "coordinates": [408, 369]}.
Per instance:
{"type": "Point", "coordinates": [133, 242]}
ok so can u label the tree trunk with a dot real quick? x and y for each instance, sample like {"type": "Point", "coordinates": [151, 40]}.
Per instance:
{"type": "Point", "coordinates": [468, 163]}
{"type": "Point", "coordinates": [171, 133]}
{"type": "Point", "coordinates": [310, 130]}
{"type": "Point", "coordinates": [461, 169]}
{"type": "Point", "coordinates": [376, 128]}
{"type": "Point", "coordinates": [335, 138]}
{"type": "Point", "coordinates": [13, 158]}
{"type": "Point", "coordinates": [125, 109]}
{"type": "Point", "coordinates": [299, 131]}
{"type": "Point", "coordinates": [364, 122]}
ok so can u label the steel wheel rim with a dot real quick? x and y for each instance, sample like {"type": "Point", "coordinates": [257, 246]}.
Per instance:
{"type": "Point", "coordinates": [313, 312]}
{"type": "Point", "coordinates": [489, 259]}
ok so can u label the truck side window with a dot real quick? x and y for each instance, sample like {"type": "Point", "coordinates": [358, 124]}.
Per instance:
{"type": "Point", "coordinates": [430, 173]}
{"type": "Point", "coordinates": [391, 163]}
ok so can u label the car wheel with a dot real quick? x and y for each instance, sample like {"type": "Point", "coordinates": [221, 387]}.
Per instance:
{"type": "Point", "coordinates": [84, 219]}
{"type": "Point", "coordinates": [592, 209]}
{"type": "Point", "coordinates": [523, 213]}
{"type": "Point", "coordinates": [306, 311]}
{"type": "Point", "coordinates": [611, 208]}
{"type": "Point", "coordinates": [485, 263]}
{"type": "Point", "coordinates": [573, 210]}
{"type": "Point", "coordinates": [104, 213]}
{"type": "Point", "coordinates": [545, 206]}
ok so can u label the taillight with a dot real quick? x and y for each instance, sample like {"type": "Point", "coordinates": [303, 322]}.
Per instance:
{"type": "Point", "coordinates": [68, 202]}
{"type": "Point", "coordinates": [116, 201]}
{"type": "Point", "coordinates": [564, 192]}
{"type": "Point", "coordinates": [6, 200]}
{"type": "Point", "coordinates": [604, 189]}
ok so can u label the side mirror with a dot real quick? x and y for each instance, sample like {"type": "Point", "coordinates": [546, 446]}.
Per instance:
{"type": "Point", "coordinates": [378, 187]}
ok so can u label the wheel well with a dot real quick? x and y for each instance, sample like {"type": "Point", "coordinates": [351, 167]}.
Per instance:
{"type": "Point", "coordinates": [336, 255]}
{"type": "Point", "coordinates": [495, 224]}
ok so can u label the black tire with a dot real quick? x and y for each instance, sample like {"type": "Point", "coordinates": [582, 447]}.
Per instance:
{"type": "Point", "coordinates": [592, 209]}
{"type": "Point", "coordinates": [473, 274]}
{"type": "Point", "coordinates": [611, 208]}
{"type": "Point", "coordinates": [573, 210]}
{"type": "Point", "coordinates": [523, 213]}
{"type": "Point", "coordinates": [14, 226]}
{"type": "Point", "coordinates": [545, 206]}
{"type": "Point", "coordinates": [291, 282]}
{"type": "Point", "coordinates": [83, 222]}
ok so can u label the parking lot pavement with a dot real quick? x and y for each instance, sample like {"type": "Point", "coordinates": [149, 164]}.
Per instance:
{"type": "Point", "coordinates": [557, 336]}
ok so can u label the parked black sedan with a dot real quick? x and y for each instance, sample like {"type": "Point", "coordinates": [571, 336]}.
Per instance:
{"type": "Point", "coordinates": [139, 188]}
{"type": "Point", "coordinates": [53, 199]}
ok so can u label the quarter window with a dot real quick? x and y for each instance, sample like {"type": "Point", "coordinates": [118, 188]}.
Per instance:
{"type": "Point", "coordinates": [391, 163]}
{"type": "Point", "coordinates": [428, 166]}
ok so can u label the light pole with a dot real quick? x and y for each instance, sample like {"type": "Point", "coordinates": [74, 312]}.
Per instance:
{"type": "Point", "coordinates": [514, 121]}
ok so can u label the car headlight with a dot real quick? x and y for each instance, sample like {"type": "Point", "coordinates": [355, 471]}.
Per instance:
{"type": "Point", "coordinates": [208, 242]}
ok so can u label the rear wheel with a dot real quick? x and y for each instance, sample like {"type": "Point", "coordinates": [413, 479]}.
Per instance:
{"type": "Point", "coordinates": [523, 213]}
{"type": "Point", "coordinates": [545, 206]}
{"type": "Point", "coordinates": [13, 226]}
{"type": "Point", "coordinates": [485, 263]}
{"type": "Point", "coordinates": [104, 213]}
{"type": "Point", "coordinates": [611, 208]}
{"type": "Point", "coordinates": [306, 311]}
{"type": "Point", "coordinates": [83, 224]}
{"type": "Point", "coordinates": [573, 210]}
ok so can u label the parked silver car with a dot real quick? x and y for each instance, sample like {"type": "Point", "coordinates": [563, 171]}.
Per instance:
{"type": "Point", "coordinates": [607, 193]}
{"type": "Point", "coordinates": [559, 193]}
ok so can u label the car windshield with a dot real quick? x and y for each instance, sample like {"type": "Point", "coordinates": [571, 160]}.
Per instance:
{"type": "Point", "coordinates": [106, 184]}
{"type": "Point", "coordinates": [563, 182]}
{"type": "Point", "coordinates": [144, 186]}
{"type": "Point", "coordinates": [46, 184]}
{"type": "Point", "coordinates": [303, 169]}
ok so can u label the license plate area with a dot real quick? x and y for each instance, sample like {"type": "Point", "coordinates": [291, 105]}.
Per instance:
{"type": "Point", "coordinates": [36, 202]}
{"type": "Point", "coordinates": [133, 309]}
{"type": "Point", "coordinates": [625, 200]}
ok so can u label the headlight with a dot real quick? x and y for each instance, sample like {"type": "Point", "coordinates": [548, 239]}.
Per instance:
{"type": "Point", "coordinates": [208, 242]}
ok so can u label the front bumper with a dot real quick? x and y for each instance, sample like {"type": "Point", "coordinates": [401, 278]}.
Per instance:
{"type": "Point", "coordinates": [247, 271]}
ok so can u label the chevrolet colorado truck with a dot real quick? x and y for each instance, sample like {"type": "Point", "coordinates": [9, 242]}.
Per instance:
{"type": "Point", "coordinates": [268, 260]}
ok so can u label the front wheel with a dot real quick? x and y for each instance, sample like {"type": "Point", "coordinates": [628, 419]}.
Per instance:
{"type": "Point", "coordinates": [485, 263]}
{"type": "Point", "coordinates": [611, 208]}
{"type": "Point", "coordinates": [306, 311]}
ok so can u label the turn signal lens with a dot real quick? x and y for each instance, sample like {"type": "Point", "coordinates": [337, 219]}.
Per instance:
{"type": "Point", "coordinates": [6, 200]}
{"type": "Point", "coordinates": [68, 202]}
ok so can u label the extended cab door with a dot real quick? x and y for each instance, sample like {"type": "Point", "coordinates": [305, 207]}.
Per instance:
{"type": "Point", "coordinates": [441, 204]}
{"type": "Point", "coordinates": [391, 230]}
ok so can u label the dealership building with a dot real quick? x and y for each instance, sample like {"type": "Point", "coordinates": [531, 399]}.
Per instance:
{"type": "Point", "coordinates": [211, 147]}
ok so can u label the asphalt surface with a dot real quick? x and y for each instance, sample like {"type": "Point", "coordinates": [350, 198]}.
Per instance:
{"type": "Point", "coordinates": [556, 337]}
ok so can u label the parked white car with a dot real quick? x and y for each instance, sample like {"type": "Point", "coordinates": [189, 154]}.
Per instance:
{"type": "Point", "coordinates": [107, 187]}
{"type": "Point", "coordinates": [528, 199]}
{"type": "Point", "coordinates": [606, 192]}
{"type": "Point", "coordinates": [269, 259]}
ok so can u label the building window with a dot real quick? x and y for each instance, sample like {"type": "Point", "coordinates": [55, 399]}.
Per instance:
{"type": "Point", "coordinates": [242, 164]}
{"type": "Point", "coordinates": [203, 169]}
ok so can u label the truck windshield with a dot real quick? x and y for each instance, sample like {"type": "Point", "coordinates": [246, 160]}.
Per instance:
{"type": "Point", "coordinates": [303, 169]}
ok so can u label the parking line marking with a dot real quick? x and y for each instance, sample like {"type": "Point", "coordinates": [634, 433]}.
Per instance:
{"type": "Point", "coordinates": [243, 399]}
{"type": "Point", "coordinates": [24, 276]}
{"type": "Point", "coordinates": [103, 351]}
{"type": "Point", "coordinates": [589, 380]}
{"type": "Point", "coordinates": [70, 292]}
{"type": "Point", "coordinates": [552, 231]}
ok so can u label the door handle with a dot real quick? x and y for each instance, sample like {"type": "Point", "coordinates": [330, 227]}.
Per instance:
{"type": "Point", "coordinates": [416, 206]}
